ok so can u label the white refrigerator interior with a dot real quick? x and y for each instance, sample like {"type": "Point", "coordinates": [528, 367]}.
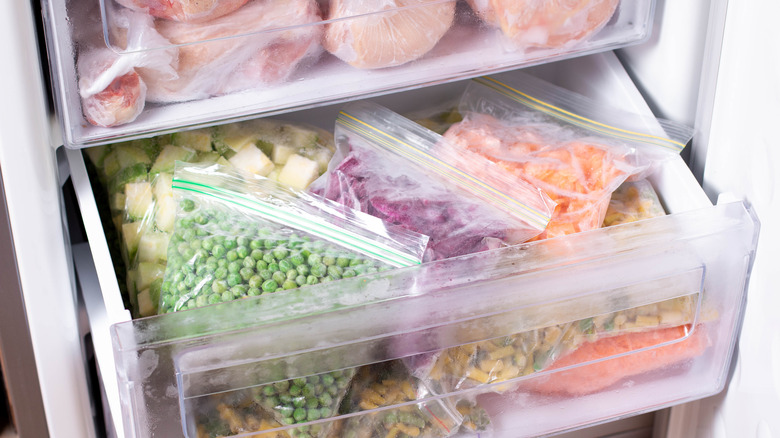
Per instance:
{"type": "Point", "coordinates": [736, 157]}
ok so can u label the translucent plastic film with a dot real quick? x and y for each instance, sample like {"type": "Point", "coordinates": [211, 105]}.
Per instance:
{"type": "Point", "coordinates": [392, 168]}
{"type": "Point", "coordinates": [134, 179]}
{"type": "Point", "coordinates": [239, 235]}
{"type": "Point", "coordinates": [577, 152]}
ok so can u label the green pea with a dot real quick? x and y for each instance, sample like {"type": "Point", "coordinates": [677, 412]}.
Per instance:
{"type": "Point", "coordinates": [196, 244]}
{"type": "Point", "coordinates": [300, 415]}
{"type": "Point", "coordinates": [342, 262]}
{"type": "Point", "coordinates": [313, 380]}
{"type": "Point", "coordinates": [238, 290]}
{"type": "Point", "coordinates": [312, 403]}
{"type": "Point", "coordinates": [285, 265]}
{"type": "Point", "coordinates": [295, 390]}
{"type": "Point", "coordinates": [227, 296]}
{"type": "Point", "coordinates": [282, 385]}
{"type": "Point", "coordinates": [291, 274]}
{"type": "Point", "coordinates": [254, 291]}
{"type": "Point", "coordinates": [214, 298]}
{"type": "Point", "coordinates": [218, 251]}
{"type": "Point", "coordinates": [314, 259]}
{"type": "Point", "coordinates": [269, 243]}
{"type": "Point", "coordinates": [187, 205]}
{"type": "Point", "coordinates": [327, 379]}
{"type": "Point", "coordinates": [231, 255]}
{"type": "Point", "coordinates": [335, 271]}
{"type": "Point", "coordinates": [286, 411]}
{"type": "Point", "coordinates": [243, 240]}
{"type": "Point", "coordinates": [230, 243]}
{"type": "Point", "coordinates": [270, 286]}
{"type": "Point", "coordinates": [266, 274]}
{"type": "Point", "coordinates": [324, 412]}
{"type": "Point", "coordinates": [308, 390]}
{"type": "Point", "coordinates": [257, 254]}
{"type": "Point", "coordinates": [269, 390]}
{"type": "Point", "coordinates": [289, 284]}
{"type": "Point", "coordinates": [201, 300]}
{"type": "Point", "coordinates": [342, 382]}
{"type": "Point", "coordinates": [242, 252]}
{"type": "Point", "coordinates": [349, 273]}
{"type": "Point", "coordinates": [325, 399]}
{"type": "Point", "coordinates": [256, 244]}
{"type": "Point", "coordinates": [302, 269]}
{"type": "Point", "coordinates": [255, 281]}
{"type": "Point", "coordinates": [319, 270]}
{"type": "Point", "coordinates": [249, 262]}
{"type": "Point", "coordinates": [312, 280]}
{"type": "Point", "coordinates": [328, 260]}
{"type": "Point", "coordinates": [300, 381]}
{"type": "Point", "coordinates": [207, 244]}
{"type": "Point", "coordinates": [220, 272]}
{"type": "Point", "coordinates": [273, 267]}
{"type": "Point", "coordinates": [313, 414]}
{"type": "Point", "coordinates": [299, 402]}
{"type": "Point", "coordinates": [300, 280]}
{"type": "Point", "coordinates": [261, 265]}
{"type": "Point", "coordinates": [297, 259]}
{"type": "Point", "coordinates": [219, 287]}
{"type": "Point", "coordinates": [235, 266]}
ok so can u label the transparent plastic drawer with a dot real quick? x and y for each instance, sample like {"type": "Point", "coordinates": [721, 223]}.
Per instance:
{"type": "Point", "coordinates": [600, 325]}
{"type": "Point", "coordinates": [125, 69]}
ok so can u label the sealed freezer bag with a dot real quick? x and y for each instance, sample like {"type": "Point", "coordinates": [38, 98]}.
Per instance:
{"type": "Point", "coordinates": [392, 168]}
{"type": "Point", "coordinates": [545, 23]}
{"type": "Point", "coordinates": [381, 393]}
{"type": "Point", "coordinates": [574, 150]}
{"type": "Point", "coordinates": [497, 364]}
{"type": "Point", "coordinates": [137, 177]}
{"type": "Point", "coordinates": [633, 201]}
{"type": "Point", "coordinates": [238, 235]}
{"type": "Point", "coordinates": [184, 10]}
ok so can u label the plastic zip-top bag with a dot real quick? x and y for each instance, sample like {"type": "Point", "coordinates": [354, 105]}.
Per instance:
{"type": "Point", "coordinates": [574, 150]}
{"type": "Point", "coordinates": [238, 235]}
{"type": "Point", "coordinates": [392, 168]}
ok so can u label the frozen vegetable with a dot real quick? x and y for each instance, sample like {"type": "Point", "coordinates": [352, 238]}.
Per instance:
{"type": "Point", "coordinates": [184, 10]}
{"type": "Point", "coordinates": [604, 373]}
{"type": "Point", "coordinates": [137, 177]}
{"type": "Point", "coordinates": [378, 36]}
{"type": "Point", "coordinates": [561, 143]}
{"type": "Point", "coordinates": [238, 235]}
{"type": "Point", "coordinates": [633, 201]}
{"type": "Point", "coordinates": [235, 414]}
{"type": "Point", "coordinates": [505, 358]}
{"type": "Point", "coordinates": [400, 172]}
{"type": "Point", "coordinates": [546, 23]}
{"type": "Point", "coordinates": [387, 384]}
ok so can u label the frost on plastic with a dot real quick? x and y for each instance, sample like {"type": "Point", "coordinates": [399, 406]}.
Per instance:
{"type": "Point", "coordinates": [552, 139]}
{"type": "Point", "coordinates": [396, 170]}
{"type": "Point", "coordinates": [240, 235]}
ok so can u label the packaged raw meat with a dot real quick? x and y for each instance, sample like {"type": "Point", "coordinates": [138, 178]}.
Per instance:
{"type": "Point", "coordinates": [498, 364]}
{"type": "Point", "coordinates": [396, 170]}
{"type": "Point", "coordinates": [389, 385]}
{"type": "Point", "coordinates": [111, 89]}
{"type": "Point", "coordinates": [184, 10]}
{"type": "Point", "coordinates": [239, 235]}
{"type": "Point", "coordinates": [275, 40]}
{"type": "Point", "coordinates": [387, 33]}
{"type": "Point", "coordinates": [136, 177]}
{"type": "Point", "coordinates": [633, 201]}
{"type": "Point", "coordinates": [574, 151]}
{"type": "Point", "coordinates": [546, 23]}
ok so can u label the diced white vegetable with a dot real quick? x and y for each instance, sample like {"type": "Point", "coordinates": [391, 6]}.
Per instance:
{"type": "Point", "coordinates": [166, 161]}
{"type": "Point", "coordinates": [236, 137]}
{"type": "Point", "coordinates": [128, 155]}
{"type": "Point", "coordinates": [146, 307]}
{"type": "Point", "coordinates": [322, 156]}
{"type": "Point", "coordinates": [282, 152]}
{"type": "Point", "coordinates": [253, 160]}
{"type": "Point", "coordinates": [131, 233]}
{"type": "Point", "coordinates": [162, 185]}
{"type": "Point", "coordinates": [147, 273]}
{"type": "Point", "coordinates": [299, 172]}
{"type": "Point", "coordinates": [165, 216]}
{"type": "Point", "coordinates": [153, 247]}
{"type": "Point", "coordinates": [274, 175]}
{"type": "Point", "coordinates": [199, 139]}
{"type": "Point", "coordinates": [299, 136]}
{"type": "Point", "coordinates": [138, 199]}
{"type": "Point", "coordinates": [223, 162]}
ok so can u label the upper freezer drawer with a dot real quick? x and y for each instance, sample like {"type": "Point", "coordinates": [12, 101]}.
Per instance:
{"type": "Point", "coordinates": [129, 68]}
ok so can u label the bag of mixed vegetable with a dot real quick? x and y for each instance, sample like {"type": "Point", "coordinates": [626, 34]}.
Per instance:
{"type": "Point", "coordinates": [392, 168]}
{"type": "Point", "coordinates": [136, 177]}
{"type": "Point", "coordinates": [578, 153]}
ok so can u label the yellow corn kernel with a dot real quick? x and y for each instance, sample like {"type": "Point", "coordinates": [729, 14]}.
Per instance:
{"type": "Point", "coordinates": [389, 382]}
{"type": "Point", "coordinates": [478, 375]}
{"type": "Point", "coordinates": [372, 396]}
{"type": "Point", "coordinates": [394, 431]}
{"type": "Point", "coordinates": [491, 366]}
{"type": "Point", "coordinates": [409, 430]}
{"type": "Point", "coordinates": [520, 360]}
{"type": "Point", "coordinates": [502, 352]}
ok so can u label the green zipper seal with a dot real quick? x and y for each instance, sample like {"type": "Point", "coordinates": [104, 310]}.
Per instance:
{"type": "Point", "coordinates": [312, 225]}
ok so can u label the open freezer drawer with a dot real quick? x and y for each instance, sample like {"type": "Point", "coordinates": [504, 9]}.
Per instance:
{"type": "Point", "coordinates": [696, 260]}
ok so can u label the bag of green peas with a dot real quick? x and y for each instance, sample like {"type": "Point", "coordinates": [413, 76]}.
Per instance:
{"type": "Point", "coordinates": [238, 235]}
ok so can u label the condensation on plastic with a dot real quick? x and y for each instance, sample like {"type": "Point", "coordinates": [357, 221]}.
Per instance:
{"type": "Point", "coordinates": [228, 205]}
{"type": "Point", "coordinates": [575, 151]}
{"type": "Point", "coordinates": [633, 201]}
{"type": "Point", "coordinates": [242, 344]}
{"type": "Point", "coordinates": [403, 32]}
{"type": "Point", "coordinates": [545, 23]}
{"type": "Point", "coordinates": [393, 168]}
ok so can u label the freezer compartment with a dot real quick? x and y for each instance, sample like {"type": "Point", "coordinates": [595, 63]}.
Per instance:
{"type": "Point", "coordinates": [661, 300]}
{"type": "Point", "coordinates": [119, 67]}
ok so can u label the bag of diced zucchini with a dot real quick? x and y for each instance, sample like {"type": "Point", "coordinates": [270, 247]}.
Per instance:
{"type": "Point", "coordinates": [136, 178]}
{"type": "Point", "coordinates": [238, 235]}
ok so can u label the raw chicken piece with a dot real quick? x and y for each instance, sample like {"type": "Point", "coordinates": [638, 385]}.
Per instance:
{"type": "Point", "coordinates": [386, 37]}
{"type": "Point", "coordinates": [545, 23]}
{"type": "Point", "coordinates": [222, 64]}
{"type": "Point", "coordinates": [184, 10]}
{"type": "Point", "coordinates": [119, 101]}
